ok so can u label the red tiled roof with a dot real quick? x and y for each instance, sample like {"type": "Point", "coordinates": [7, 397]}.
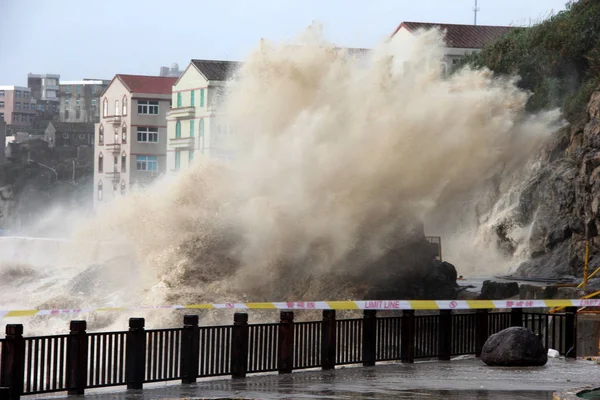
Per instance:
{"type": "Point", "coordinates": [461, 36]}
{"type": "Point", "coordinates": [148, 84]}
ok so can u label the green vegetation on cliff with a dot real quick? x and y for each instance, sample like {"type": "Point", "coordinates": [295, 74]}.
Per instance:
{"type": "Point", "coordinates": [558, 59]}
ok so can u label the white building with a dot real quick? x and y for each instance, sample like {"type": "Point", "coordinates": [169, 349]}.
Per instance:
{"type": "Point", "coordinates": [194, 126]}
{"type": "Point", "coordinates": [460, 39]}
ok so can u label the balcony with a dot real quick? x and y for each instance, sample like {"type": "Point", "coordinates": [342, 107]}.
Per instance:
{"type": "Point", "coordinates": [181, 143]}
{"type": "Point", "coordinates": [113, 119]}
{"type": "Point", "coordinates": [113, 147]}
{"type": "Point", "coordinates": [115, 176]}
{"type": "Point", "coordinates": [181, 113]}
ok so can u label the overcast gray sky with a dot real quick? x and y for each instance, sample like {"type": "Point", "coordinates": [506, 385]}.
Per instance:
{"type": "Point", "coordinates": [98, 39]}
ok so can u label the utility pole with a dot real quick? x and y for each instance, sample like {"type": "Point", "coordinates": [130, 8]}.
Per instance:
{"type": "Point", "coordinates": [475, 9]}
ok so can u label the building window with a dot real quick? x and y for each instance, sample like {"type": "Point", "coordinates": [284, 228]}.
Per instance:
{"type": "Point", "coordinates": [17, 93]}
{"type": "Point", "coordinates": [105, 108]}
{"type": "Point", "coordinates": [124, 133]}
{"type": "Point", "coordinates": [124, 105]}
{"type": "Point", "coordinates": [147, 134]}
{"type": "Point", "coordinates": [123, 187]}
{"type": "Point", "coordinates": [115, 162]}
{"type": "Point", "coordinates": [191, 156]}
{"type": "Point", "coordinates": [117, 109]}
{"type": "Point", "coordinates": [177, 159]}
{"type": "Point", "coordinates": [201, 134]}
{"type": "Point", "coordinates": [65, 136]}
{"type": "Point", "coordinates": [192, 98]}
{"type": "Point", "coordinates": [93, 103]}
{"type": "Point", "coordinates": [100, 163]}
{"type": "Point", "coordinates": [192, 127]}
{"type": "Point", "coordinates": [77, 103]}
{"type": "Point", "coordinates": [78, 89]}
{"type": "Point", "coordinates": [66, 114]}
{"type": "Point", "coordinates": [93, 89]}
{"type": "Point", "coordinates": [26, 95]}
{"type": "Point", "coordinates": [1, 104]}
{"type": "Point", "coordinates": [1, 93]}
{"type": "Point", "coordinates": [178, 130]}
{"type": "Point", "coordinates": [82, 136]}
{"type": "Point", "coordinates": [67, 89]}
{"type": "Point", "coordinates": [18, 105]}
{"type": "Point", "coordinates": [146, 163]}
{"type": "Point", "coordinates": [26, 106]}
{"type": "Point", "coordinates": [101, 135]}
{"type": "Point", "coordinates": [116, 138]}
{"type": "Point", "coordinates": [67, 103]}
{"type": "Point", "coordinates": [178, 99]}
{"type": "Point", "coordinates": [100, 191]}
{"type": "Point", "coordinates": [123, 162]}
{"type": "Point", "coordinates": [148, 107]}
{"type": "Point", "coordinates": [201, 97]}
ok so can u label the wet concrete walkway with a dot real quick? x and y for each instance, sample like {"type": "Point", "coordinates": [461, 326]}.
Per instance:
{"type": "Point", "coordinates": [457, 379]}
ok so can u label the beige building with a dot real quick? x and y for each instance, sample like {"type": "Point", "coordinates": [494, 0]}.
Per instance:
{"type": "Point", "coordinates": [460, 39]}
{"type": "Point", "coordinates": [195, 126]}
{"type": "Point", "coordinates": [131, 137]}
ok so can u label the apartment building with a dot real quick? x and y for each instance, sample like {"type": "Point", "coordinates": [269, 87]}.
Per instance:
{"type": "Point", "coordinates": [460, 39]}
{"type": "Point", "coordinates": [195, 125]}
{"type": "Point", "coordinates": [131, 137]}
{"type": "Point", "coordinates": [44, 92]}
{"type": "Point", "coordinates": [79, 101]}
{"type": "Point", "coordinates": [16, 107]}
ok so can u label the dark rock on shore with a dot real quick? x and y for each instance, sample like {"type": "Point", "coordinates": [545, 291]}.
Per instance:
{"type": "Point", "coordinates": [514, 347]}
{"type": "Point", "coordinates": [492, 290]}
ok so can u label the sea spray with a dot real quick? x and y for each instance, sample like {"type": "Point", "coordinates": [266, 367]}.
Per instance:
{"type": "Point", "coordinates": [338, 160]}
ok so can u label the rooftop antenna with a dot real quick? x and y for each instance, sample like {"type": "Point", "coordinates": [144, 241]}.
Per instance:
{"type": "Point", "coordinates": [475, 9]}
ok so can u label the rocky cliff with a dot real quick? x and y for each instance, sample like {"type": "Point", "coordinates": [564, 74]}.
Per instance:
{"type": "Point", "coordinates": [558, 198]}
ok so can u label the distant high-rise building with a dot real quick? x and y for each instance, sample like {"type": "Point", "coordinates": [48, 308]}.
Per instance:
{"type": "Point", "coordinates": [44, 93]}
{"type": "Point", "coordinates": [80, 100]}
{"type": "Point", "coordinates": [173, 72]}
{"type": "Point", "coordinates": [16, 106]}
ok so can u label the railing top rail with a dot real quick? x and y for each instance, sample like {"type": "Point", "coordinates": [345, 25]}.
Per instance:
{"type": "Point", "coordinates": [45, 337]}
{"type": "Point", "coordinates": [106, 333]}
{"type": "Point", "coordinates": [164, 330]}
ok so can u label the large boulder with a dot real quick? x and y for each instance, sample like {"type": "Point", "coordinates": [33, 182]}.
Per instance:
{"type": "Point", "coordinates": [514, 347]}
{"type": "Point", "coordinates": [492, 290]}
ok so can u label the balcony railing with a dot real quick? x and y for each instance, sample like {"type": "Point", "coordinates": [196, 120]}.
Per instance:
{"type": "Point", "coordinates": [113, 147]}
{"type": "Point", "coordinates": [182, 112]}
{"type": "Point", "coordinates": [181, 143]}
{"type": "Point", "coordinates": [114, 175]}
{"type": "Point", "coordinates": [113, 119]}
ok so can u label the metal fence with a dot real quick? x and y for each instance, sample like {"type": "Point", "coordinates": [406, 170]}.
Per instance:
{"type": "Point", "coordinates": [81, 360]}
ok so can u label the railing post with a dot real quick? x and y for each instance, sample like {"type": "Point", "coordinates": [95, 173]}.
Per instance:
{"type": "Point", "coordinates": [369, 338]}
{"type": "Point", "coordinates": [516, 317]}
{"type": "Point", "coordinates": [13, 361]}
{"type": "Point", "coordinates": [190, 349]}
{"type": "Point", "coordinates": [445, 335]}
{"type": "Point", "coordinates": [77, 358]}
{"type": "Point", "coordinates": [285, 354]}
{"type": "Point", "coordinates": [407, 337]}
{"type": "Point", "coordinates": [239, 346]}
{"type": "Point", "coordinates": [135, 359]}
{"type": "Point", "coordinates": [328, 340]}
{"type": "Point", "coordinates": [481, 330]}
{"type": "Point", "coordinates": [571, 332]}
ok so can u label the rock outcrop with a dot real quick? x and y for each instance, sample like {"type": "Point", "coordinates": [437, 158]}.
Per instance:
{"type": "Point", "coordinates": [514, 347]}
{"type": "Point", "coordinates": [492, 290]}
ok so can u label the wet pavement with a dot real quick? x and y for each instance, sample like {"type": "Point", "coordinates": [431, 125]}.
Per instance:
{"type": "Point", "coordinates": [457, 379]}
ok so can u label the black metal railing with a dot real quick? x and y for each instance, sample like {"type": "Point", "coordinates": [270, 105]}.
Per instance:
{"type": "Point", "coordinates": [463, 334]}
{"type": "Point", "coordinates": [45, 364]}
{"type": "Point", "coordinates": [215, 351]}
{"type": "Point", "coordinates": [262, 347]}
{"type": "Point", "coordinates": [349, 341]}
{"type": "Point", "coordinates": [82, 360]}
{"type": "Point", "coordinates": [163, 354]}
{"type": "Point", "coordinates": [307, 344]}
{"type": "Point", "coordinates": [106, 359]}
{"type": "Point", "coordinates": [388, 333]}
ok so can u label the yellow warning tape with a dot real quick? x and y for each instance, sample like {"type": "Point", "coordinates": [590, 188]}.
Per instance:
{"type": "Point", "coordinates": [333, 305]}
